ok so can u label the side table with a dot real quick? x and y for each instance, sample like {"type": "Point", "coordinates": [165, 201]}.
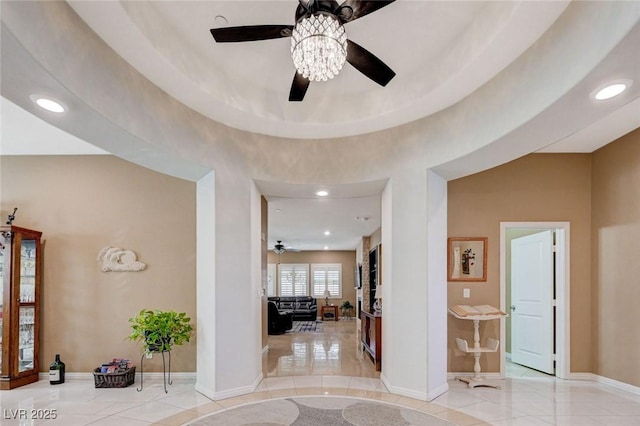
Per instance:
{"type": "Point", "coordinates": [329, 313]}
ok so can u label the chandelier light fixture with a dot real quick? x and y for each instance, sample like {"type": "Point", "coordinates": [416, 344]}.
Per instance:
{"type": "Point", "coordinates": [318, 41]}
{"type": "Point", "coordinates": [319, 46]}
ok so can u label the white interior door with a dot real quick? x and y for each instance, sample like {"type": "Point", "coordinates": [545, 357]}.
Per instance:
{"type": "Point", "coordinates": [532, 273]}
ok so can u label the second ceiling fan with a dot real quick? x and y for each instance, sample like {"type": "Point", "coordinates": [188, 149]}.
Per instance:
{"type": "Point", "coordinates": [318, 30]}
{"type": "Point", "coordinates": [279, 248]}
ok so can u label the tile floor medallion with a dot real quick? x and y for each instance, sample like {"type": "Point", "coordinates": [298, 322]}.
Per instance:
{"type": "Point", "coordinates": [321, 411]}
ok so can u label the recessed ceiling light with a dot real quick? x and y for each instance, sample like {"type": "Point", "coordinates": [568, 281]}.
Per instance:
{"type": "Point", "coordinates": [611, 90]}
{"type": "Point", "coordinates": [48, 104]}
{"type": "Point", "coordinates": [322, 193]}
{"type": "Point", "coordinates": [326, 247]}
{"type": "Point", "coordinates": [327, 232]}
{"type": "Point", "coordinates": [221, 20]}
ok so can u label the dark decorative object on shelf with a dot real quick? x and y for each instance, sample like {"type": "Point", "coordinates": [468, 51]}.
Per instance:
{"type": "Point", "coordinates": [374, 274]}
{"type": "Point", "coordinates": [12, 216]}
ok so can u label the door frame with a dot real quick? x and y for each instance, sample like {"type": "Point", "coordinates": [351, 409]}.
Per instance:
{"type": "Point", "coordinates": [562, 339]}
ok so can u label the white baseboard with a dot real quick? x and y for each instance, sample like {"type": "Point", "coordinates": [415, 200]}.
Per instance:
{"type": "Point", "coordinates": [422, 396]}
{"type": "Point", "coordinates": [384, 380]}
{"type": "Point", "coordinates": [209, 393]}
{"type": "Point", "coordinates": [619, 385]}
{"type": "Point", "coordinates": [243, 390]}
{"type": "Point", "coordinates": [147, 376]}
{"type": "Point", "coordinates": [437, 392]}
{"type": "Point", "coordinates": [590, 377]}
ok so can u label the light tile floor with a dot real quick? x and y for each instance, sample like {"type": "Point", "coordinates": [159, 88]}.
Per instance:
{"type": "Point", "coordinates": [526, 397]}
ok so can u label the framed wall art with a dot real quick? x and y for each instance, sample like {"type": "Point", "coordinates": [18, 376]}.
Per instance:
{"type": "Point", "coordinates": [467, 259]}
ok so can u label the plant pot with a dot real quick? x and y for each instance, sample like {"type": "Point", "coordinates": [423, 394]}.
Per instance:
{"type": "Point", "coordinates": [155, 345]}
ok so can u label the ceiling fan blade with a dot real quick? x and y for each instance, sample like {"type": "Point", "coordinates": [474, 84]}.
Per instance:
{"type": "Point", "coordinates": [305, 4]}
{"type": "Point", "coordinates": [298, 88]}
{"type": "Point", "coordinates": [251, 33]}
{"type": "Point", "coordinates": [360, 8]}
{"type": "Point", "coordinates": [368, 64]}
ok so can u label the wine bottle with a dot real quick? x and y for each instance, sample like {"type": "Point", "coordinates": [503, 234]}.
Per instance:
{"type": "Point", "coordinates": [56, 371]}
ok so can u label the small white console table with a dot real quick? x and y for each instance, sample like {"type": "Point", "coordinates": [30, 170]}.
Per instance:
{"type": "Point", "coordinates": [491, 346]}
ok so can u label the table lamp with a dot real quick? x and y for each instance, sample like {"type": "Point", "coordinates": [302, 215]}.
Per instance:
{"type": "Point", "coordinates": [327, 295]}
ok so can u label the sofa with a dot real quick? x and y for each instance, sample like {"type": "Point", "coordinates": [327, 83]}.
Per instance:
{"type": "Point", "coordinates": [279, 322]}
{"type": "Point", "coordinates": [304, 308]}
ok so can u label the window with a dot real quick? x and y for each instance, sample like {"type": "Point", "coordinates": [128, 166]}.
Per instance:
{"type": "Point", "coordinates": [327, 276]}
{"type": "Point", "coordinates": [294, 279]}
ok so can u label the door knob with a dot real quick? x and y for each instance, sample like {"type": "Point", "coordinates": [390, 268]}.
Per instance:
{"type": "Point", "coordinates": [513, 307]}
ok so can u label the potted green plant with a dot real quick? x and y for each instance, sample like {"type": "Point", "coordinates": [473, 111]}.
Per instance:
{"type": "Point", "coordinates": [346, 307]}
{"type": "Point", "coordinates": [160, 330]}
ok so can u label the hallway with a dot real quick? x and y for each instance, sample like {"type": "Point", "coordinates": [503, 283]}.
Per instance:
{"type": "Point", "coordinates": [335, 351]}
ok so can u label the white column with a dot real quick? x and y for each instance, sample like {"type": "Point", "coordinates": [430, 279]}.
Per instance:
{"type": "Point", "coordinates": [414, 231]}
{"type": "Point", "coordinates": [205, 285]}
{"type": "Point", "coordinates": [436, 285]}
{"type": "Point", "coordinates": [229, 316]}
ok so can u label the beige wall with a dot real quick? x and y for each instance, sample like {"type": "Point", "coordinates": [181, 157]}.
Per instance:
{"type": "Point", "coordinates": [615, 267]}
{"type": "Point", "coordinates": [82, 204]}
{"type": "Point", "coordinates": [537, 187]}
{"type": "Point", "coordinates": [347, 258]}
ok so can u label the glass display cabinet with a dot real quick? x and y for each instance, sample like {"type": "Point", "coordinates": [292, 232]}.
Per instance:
{"type": "Point", "coordinates": [20, 271]}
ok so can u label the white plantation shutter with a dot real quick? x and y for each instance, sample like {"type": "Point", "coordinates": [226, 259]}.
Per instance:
{"type": "Point", "coordinates": [318, 282]}
{"type": "Point", "coordinates": [327, 276]}
{"type": "Point", "coordinates": [334, 281]}
{"type": "Point", "coordinates": [294, 279]}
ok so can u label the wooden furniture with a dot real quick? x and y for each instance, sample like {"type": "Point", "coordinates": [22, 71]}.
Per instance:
{"type": "Point", "coordinates": [20, 272]}
{"type": "Point", "coordinates": [374, 273]}
{"type": "Point", "coordinates": [491, 346]}
{"type": "Point", "coordinates": [371, 336]}
{"type": "Point", "coordinates": [332, 310]}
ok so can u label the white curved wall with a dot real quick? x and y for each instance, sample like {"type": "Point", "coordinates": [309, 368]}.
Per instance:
{"type": "Point", "coordinates": [96, 77]}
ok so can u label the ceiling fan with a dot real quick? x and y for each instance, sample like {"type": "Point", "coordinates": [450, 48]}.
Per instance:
{"type": "Point", "coordinates": [318, 32]}
{"type": "Point", "coordinates": [279, 248]}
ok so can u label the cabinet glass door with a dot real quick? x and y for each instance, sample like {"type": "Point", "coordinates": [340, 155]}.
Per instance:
{"type": "Point", "coordinates": [27, 271]}
{"type": "Point", "coordinates": [26, 317]}
{"type": "Point", "coordinates": [26, 336]}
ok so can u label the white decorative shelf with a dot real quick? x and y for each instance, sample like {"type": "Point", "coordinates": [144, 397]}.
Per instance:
{"type": "Point", "coordinates": [491, 345]}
